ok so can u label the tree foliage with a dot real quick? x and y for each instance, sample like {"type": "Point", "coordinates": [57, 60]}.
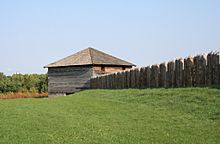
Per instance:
{"type": "Point", "coordinates": [23, 83]}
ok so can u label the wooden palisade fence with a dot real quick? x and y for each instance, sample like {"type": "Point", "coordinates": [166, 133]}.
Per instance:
{"type": "Point", "coordinates": [201, 70]}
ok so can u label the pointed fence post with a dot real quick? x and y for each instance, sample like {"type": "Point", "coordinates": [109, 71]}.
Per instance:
{"type": "Point", "coordinates": [162, 75]}
{"type": "Point", "coordinates": [128, 77]}
{"type": "Point", "coordinates": [217, 64]}
{"type": "Point", "coordinates": [170, 74]}
{"type": "Point", "coordinates": [148, 76]}
{"type": "Point", "coordinates": [133, 78]}
{"type": "Point", "coordinates": [154, 76]}
{"type": "Point", "coordinates": [217, 71]}
{"type": "Point", "coordinates": [188, 71]}
{"type": "Point", "coordinates": [178, 73]}
{"type": "Point", "coordinates": [137, 78]}
{"type": "Point", "coordinates": [212, 62]}
{"type": "Point", "coordinates": [200, 70]}
{"type": "Point", "coordinates": [141, 78]}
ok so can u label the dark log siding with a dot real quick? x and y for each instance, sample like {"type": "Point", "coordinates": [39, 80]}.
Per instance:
{"type": "Point", "coordinates": [64, 80]}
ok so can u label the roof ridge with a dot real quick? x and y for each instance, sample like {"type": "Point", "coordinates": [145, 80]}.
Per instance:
{"type": "Point", "coordinates": [90, 54]}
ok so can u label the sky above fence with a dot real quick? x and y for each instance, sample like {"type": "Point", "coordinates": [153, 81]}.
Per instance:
{"type": "Point", "coordinates": [35, 33]}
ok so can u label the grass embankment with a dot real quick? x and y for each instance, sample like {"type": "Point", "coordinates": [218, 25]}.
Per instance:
{"type": "Point", "coordinates": [15, 95]}
{"type": "Point", "coordinates": [184, 115]}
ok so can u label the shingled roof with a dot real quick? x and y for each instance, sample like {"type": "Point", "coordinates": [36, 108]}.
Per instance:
{"type": "Point", "coordinates": [89, 56]}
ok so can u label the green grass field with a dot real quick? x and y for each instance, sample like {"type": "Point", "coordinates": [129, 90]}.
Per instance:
{"type": "Point", "coordinates": [150, 116]}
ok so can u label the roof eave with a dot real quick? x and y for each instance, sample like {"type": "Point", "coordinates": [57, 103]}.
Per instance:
{"type": "Point", "coordinates": [47, 66]}
{"type": "Point", "coordinates": [130, 65]}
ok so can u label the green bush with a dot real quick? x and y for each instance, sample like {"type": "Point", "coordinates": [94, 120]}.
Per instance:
{"type": "Point", "coordinates": [23, 83]}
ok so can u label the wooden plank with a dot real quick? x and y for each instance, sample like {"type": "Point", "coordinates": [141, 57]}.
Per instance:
{"type": "Point", "coordinates": [148, 76]}
{"type": "Point", "coordinates": [142, 77]}
{"type": "Point", "coordinates": [154, 81]}
{"type": "Point", "coordinates": [128, 77]}
{"type": "Point", "coordinates": [133, 78]}
{"type": "Point", "coordinates": [200, 70]}
{"type": "Point", "coordinates": [170, 73]}
{"type": "Point", "coordinates": [188, 72]}
{"type": "Point", "coordinates": [162, 75]}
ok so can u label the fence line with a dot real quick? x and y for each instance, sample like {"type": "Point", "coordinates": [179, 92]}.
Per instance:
{"type": "Point", "coordinates": [201, 70]}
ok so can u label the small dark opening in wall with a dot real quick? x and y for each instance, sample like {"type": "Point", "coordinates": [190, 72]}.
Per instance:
{"type": "Point", "coordinates": [102, 68]}
{"type": "Point", "coordinates": [123, 68]}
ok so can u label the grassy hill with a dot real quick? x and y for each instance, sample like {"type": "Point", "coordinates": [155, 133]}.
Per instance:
{"type": "Point", "coordinates": [183, 115]}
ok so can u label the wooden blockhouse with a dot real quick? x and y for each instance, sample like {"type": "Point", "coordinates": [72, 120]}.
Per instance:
{"type": "Point", "coordinates": [74, 72]}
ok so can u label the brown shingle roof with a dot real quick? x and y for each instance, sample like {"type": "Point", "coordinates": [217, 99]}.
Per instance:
{"type": "Point", "coordinates": [89, 56]}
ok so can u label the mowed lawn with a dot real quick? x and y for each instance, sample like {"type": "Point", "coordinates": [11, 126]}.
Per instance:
{"type": "Point", "coordinates": [149, 116]}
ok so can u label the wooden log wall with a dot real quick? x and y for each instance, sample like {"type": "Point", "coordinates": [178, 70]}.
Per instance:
{"type": "Point", "coordinates": [201, 70]}
{"type": "Point", "coordinates": [62, 81]}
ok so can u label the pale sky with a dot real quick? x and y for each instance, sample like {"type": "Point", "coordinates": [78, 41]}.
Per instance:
{"type": "Point", "coordinates": [34, 33]}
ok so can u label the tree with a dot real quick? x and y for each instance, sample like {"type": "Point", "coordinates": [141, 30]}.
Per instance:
{"type": "Point", "coordinates": [23, 83]}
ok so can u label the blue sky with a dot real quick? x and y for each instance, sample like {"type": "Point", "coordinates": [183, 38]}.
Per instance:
{"type": "Point", "coordinates": [34, 33]}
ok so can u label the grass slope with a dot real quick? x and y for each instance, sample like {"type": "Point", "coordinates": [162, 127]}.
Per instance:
{"type": "Point", "coordinates": [184, 115]}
